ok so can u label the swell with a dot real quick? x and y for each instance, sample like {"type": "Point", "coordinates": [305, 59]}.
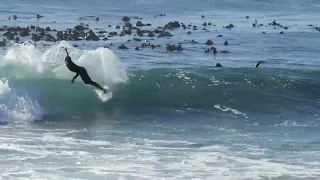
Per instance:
{"type": "Point", "coordinates": [37, 82]}
{"type": "Point", "coordinates": [245, 89]}
{"type": "Point", "coordinates": [249, 90]}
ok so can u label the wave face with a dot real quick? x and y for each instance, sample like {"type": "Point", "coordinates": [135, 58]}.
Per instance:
{"type": "Point", "coordinates": [37, 83]}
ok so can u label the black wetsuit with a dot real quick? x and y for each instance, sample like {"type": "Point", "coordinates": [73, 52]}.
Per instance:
{"type": "Point", "coordinates": [80, 71]}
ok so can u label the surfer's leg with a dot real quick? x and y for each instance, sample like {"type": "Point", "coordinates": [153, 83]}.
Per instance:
{"type": "Point", "coordinates": [97, 86]}
{"type": "Point", "coordinates": [87, 80]}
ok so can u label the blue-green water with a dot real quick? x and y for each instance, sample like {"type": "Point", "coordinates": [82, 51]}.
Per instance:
{"type": "Point", "coordinates": [172, 115]}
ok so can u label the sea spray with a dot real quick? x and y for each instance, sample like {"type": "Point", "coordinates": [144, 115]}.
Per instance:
{"type": "Point", "coordinates": [15, 107]}
{"type": "Point", "coordinates": [102, 64]}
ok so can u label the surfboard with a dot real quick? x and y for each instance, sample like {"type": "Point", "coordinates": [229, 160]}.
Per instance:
{"type": "Point", "coordinates": [102, 96]}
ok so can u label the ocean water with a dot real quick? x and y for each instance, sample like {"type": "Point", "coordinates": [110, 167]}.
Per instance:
{"type": "Point", "coordinates": [172, 115]}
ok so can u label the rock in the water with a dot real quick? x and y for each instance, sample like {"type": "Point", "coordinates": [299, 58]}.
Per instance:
{"type": "Point", "coordinates": [218, 65]}
{"type": "Point", "coordinates": [102, 32]}
{"type": "Point", "coordinates": [10, 35]}
{"type": "Point", "coordinates": [212, 49]}
{"type": "Point", "coordinates": [140, 24]}
{"type": "Point", "coordinates": [50, 38]}
{"type": "Point", "coordinates": [126, 19]}
{"type": "Point", "coordinates": [139, 32]}
{"type": "Point", "coordinates": [172, 25]}
{"type": "Point", "coordinates": [77, 34]}
{"type": "Point", "coordinates": [48, 29]}
{"type": "Point", "coordinates": [174, 48]}
{"type": "Point", "coordinates": [3, 43]}
{"type": "Point", "coordinates": [60, 35]}
{"type": "Point", "coordinates": [42, 31]}
{"type": "Point", "coordinates": [113, 34]}
{"type": "Point", "coordinates": [91, 36]}
{"type": "Point", "coordinates": [209, 42]}
{"type": "Point", "coordinates": [229, 26]}
{"type": "Point", "coordinates": [122, 33]}
{"type": "Point", "coordinates": [123, 47]}
{"type": "Point", "coordinates": [150, 34]}
{"type": "Point", "coordinates": [35, 37]}
{"type": "Point", "coordinates": [80, 28]}
{"type": "Point", "coordinates": [24, 32]}
{"type": "Point", "coordinates": [128, 32]}
{"type": "Point", "coordinates": [194, 42]}
{"type": "Point", "coordinates": [128, 25]}
{"type": "Point", "coordinates": [164, 34]}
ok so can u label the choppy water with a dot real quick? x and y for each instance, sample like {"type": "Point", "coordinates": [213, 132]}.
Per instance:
{"type": "Point", "coordinates": [173, 115]}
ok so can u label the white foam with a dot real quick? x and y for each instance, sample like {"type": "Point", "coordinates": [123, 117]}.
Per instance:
{"type": "Point", "coordinates": [228, 109]}
{"type": "Point", "coordinates": [102, 64]}
{"type": "Point", "coordinates": [24, 54]}
{"type": "Point", "coordinates": [4, 86]}
{"type": "Point", "coordinates": [16, 108]}
{"type": "Point", "coordinates": [112, 158]}
{"type": "Point", "coordinates": [102, 96]}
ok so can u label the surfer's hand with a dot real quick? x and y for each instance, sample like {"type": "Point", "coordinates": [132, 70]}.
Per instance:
{"type": "Point", "coordinates": [72, 81]}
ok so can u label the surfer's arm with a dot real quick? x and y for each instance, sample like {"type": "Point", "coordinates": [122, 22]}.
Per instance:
{"type": "Point", "coordinates": [66, 51]}
{"type": "Point", "coordinates": [74, 78]}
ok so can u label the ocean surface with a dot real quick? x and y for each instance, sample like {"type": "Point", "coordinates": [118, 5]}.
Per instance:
{"type": "Point", "coordinates": [172, 115]}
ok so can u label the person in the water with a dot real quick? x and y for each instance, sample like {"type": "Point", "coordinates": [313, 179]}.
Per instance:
{"type": "Point", "coordinates": [258, 63]}
{"type": "Point", "coordinates": [80, 71]}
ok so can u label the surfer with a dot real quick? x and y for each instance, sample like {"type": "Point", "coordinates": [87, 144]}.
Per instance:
{"type": "Point", "coordinates": [258, 63]}
{"type": "Point", "coordinates": [80, 71]}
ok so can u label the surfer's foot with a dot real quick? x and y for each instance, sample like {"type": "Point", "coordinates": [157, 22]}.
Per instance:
{"type": "Point", "coordinates": [105, 91]}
